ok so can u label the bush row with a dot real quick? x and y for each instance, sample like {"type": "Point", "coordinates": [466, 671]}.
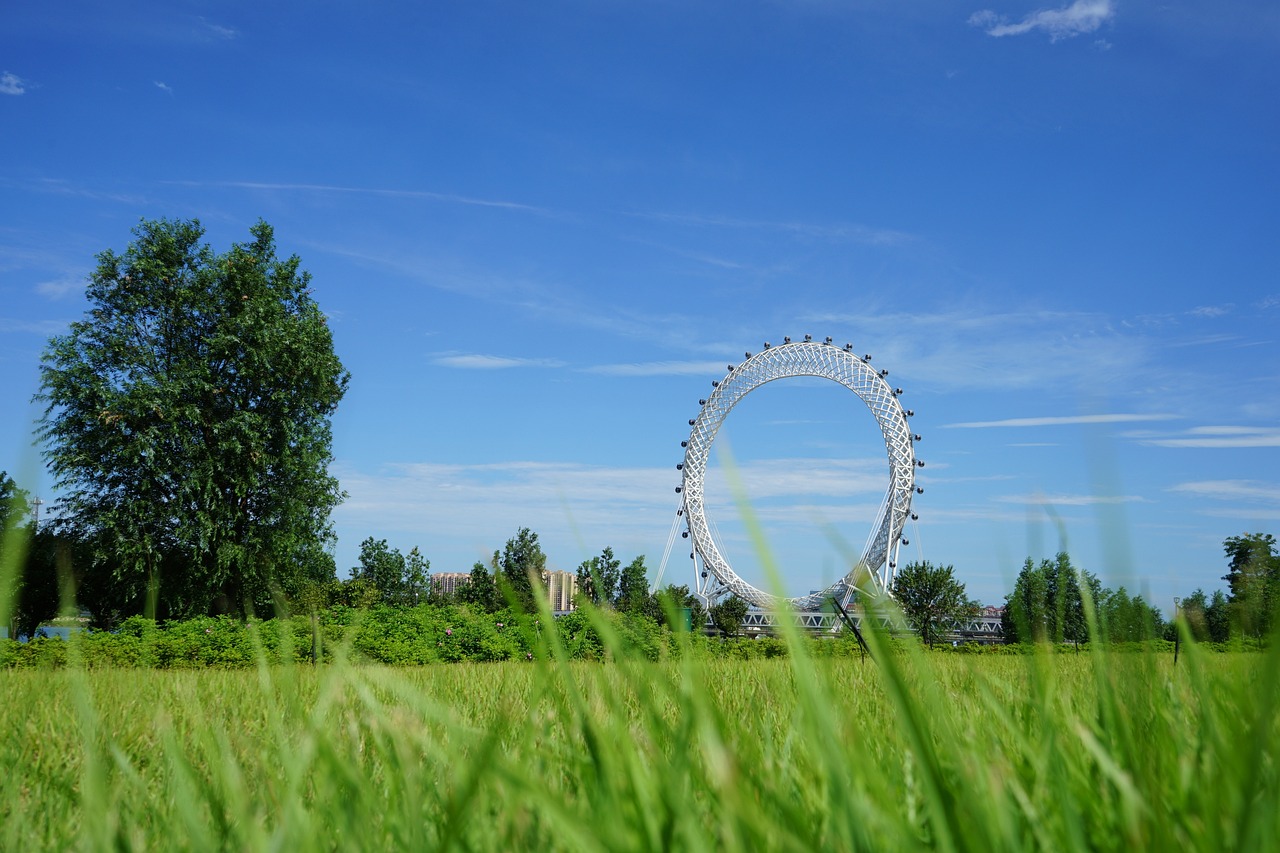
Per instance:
{"type": "Point", "coordinates": [426, 634]}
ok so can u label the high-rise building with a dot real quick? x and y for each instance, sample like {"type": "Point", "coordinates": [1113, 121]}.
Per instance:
{"type": "Point", "coordinates": [447, 583]}
{"type": "Point", "coordinates": [561, 588]}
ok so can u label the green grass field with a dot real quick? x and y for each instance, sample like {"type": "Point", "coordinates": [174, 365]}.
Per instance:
{"type": "Point", "coordinates": [1105, 751]}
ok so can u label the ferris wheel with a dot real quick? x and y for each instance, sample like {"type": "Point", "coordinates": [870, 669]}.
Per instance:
{"type": "Point", "coordinates": [874, 571]}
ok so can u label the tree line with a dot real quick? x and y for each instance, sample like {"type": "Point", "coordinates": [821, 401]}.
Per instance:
{"type": "Point", "coordinates": [186, 423]}
{"type": "Point", "coordinates": [1048, 601]}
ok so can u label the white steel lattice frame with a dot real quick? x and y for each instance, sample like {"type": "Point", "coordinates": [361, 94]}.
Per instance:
{"type": "Point", "coordinates": [874, 572]}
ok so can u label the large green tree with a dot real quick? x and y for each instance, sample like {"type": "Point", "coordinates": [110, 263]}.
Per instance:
{"type": "Point", "coordinates": [1253, 575]}
{"type": "Point", "coordinates": [932, 598]}
{"type": "Point", "coordinates": [728, 615]}
{"type": "Point", "coordinates": [1046, 602]}
{"type": "Point", "coordinates": [633, 587]}
{"type": "Point", "coordinates": [187, 424]}
{"type": "Point", "coordinates": [480, 591]}
{"type": "Point", "coordinates": [1127, 619]}
{"type": "Point", "coordinates": [401, 579]}
{"type": "Point", "coordinates": [521, 565]}
{"type": "Point", "coordinates": [678, 599]}
{"type": "Point", "coordinates": [598, 578]}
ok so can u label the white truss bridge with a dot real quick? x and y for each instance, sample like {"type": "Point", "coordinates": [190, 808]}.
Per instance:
{"type": "Point", "coordinates": [981, 629]}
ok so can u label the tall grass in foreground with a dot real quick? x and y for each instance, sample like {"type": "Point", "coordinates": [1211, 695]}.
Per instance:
{"type": "Point", "coordinates": [1051, 752]}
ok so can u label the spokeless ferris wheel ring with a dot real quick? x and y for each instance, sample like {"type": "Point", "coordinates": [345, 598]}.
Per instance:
{"type": "Point", "coordinates": [874, 571]}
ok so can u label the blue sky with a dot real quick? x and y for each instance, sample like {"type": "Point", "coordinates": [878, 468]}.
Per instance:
{"type": "Point", "coordinates": [542, 229]}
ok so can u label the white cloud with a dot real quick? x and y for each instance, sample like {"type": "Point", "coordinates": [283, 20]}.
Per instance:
{"type": "Point", "coordinates": [1211, 310]}
{"type": "Point", "coordinates": [466, 511]}
{"type": "Point", "coordinates": [163, 87]}
{"type": "Point", "coordinates": [1219, 436]}
{"type": "Point", "coordinates": [1230, 490]}
{"type": "Point", "coordinates": [59, 287]}
{"type": "Point", "coordinates": [1243, 514]}
{"type": "Point", "coordinates": [1071, 500]}
{"type": "Point", "coordinates": [12, 84]}
{"type": "Point", "coordinates": [218, 30]}
{"type": "Point", "coordinates": [768, 479]}
{"type": "Point", "coordinates": [843, 232]}
{"type": "Point", "coordinates": [966, 349]}
{"type": "Point", "coordinates": [34, 327]}
{"type": "Point", "coordinates": [1060, 421]}
{"type": "Point", "coordinates": [480, 361]}
{"type": "Point", "coordinates": [1082, 16]}
{"type": "Point", "coordinates": [328, 188]}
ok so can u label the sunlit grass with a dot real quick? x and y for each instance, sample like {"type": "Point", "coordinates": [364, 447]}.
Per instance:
{"type": "Point", "coordinates": [954, 752]}
{"type": "Point", "coordinates": [903, 750]}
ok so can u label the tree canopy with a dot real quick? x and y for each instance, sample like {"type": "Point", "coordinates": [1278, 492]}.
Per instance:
{"type": "Point", "coordinates": [1253, 575]}
{"type": "Point", "coordinates": [728, 615]}
{"type": "Point", "coordinates": [187, 425]}
{"type": "Point", "coordinates": [598, 577]}
{"type": "Point", "coordinates": [520, 563]}
{"type": "Point", "coordinates": [1046, 603]}
{"type": "Point", "coordinates": [400, 579]}
{"type": "Point", "coordinates": [931, 598]}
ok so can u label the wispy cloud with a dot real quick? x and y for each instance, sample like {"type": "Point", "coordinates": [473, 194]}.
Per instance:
{"type": "Point", "coordinates": [768, 479]}
{"type": "Point", "coordinates": [1061, 421]}
{"type": "Point", "coordinates": [845, 232]}
{"type": "Point", "coordinates": [163, 87]}
{"type": "Point", "coordinates": [1071, 500]}
{"type": "Point", "coordinates": [12, 84]}
{"type": "Point", "coordinates": [61, 187]}
{"type": "Point", "coordinates": [480, 361]}
{"type": "Point", "coordinates": [218, 30]}
{"type": "Point", "coordinates": [33, 327]}
{"type": "Point", "coordinates": [660, 368]}
{"type": "Point", "coordinates": [468, 510]}
{"type": "Point", "coordinates": [1082, 16]}
{"type": "Point", "coordinates": [374, 191]}
{"type": "Point", "coordinates": [1217, 436]}
{"type": "Point", "coordinates": [976, 348]}
{"type": "Point", "coordinates": [1211, 310]}
{"type": "Point", "coordinates": [576, 508]}
{"type": "Point", "coordinates": [60, 287]}
{"type": "Point", "coordinates": [1231, 490]}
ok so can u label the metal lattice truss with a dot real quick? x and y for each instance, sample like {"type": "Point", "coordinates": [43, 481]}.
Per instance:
{"type": "Point", "coordinates": [874, 572]}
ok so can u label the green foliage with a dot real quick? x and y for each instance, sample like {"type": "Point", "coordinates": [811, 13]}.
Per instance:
{"type": "Point", "coordinates": [187, 425]}
{"type": "Point", "coordinates": [633, 587]}
{"type": "Point", "coordinates": [727, 615]}
{"type": "Point", "coordinates": [481, 591]}
{"type": "Point", "coordinates": [1126, 619]}
{"type": "Point", "coordinates": [1208, 618]}
{"type": "Point", "coordinates": [401, 580]}
{"type": "Point", "coordinates": [1046, 603]}
{"type": "Point", "coordinates": [598, 578]}
{"type": "Point", "coordinates": [767, 746]}
{"type": "Point", "coordinates": [521, 562]}
{"type": "Point", "coordinates": [683, 604]}
{"type": "Point", "coordinates": [1253, 576]}
{"type": "Point", "coordinates": [15, 535]}
{"type": "Point", "coordinates": [931, 598]}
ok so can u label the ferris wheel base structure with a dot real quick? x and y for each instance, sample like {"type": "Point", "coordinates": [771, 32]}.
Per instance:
{"type": "Point", "coordinates": [873, 572]}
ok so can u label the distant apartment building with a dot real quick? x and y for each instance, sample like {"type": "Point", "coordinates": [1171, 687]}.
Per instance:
{"type": "Point", "coordinates": [561, 588]}
{"type": "Point", "coordinates": [447, 583]}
